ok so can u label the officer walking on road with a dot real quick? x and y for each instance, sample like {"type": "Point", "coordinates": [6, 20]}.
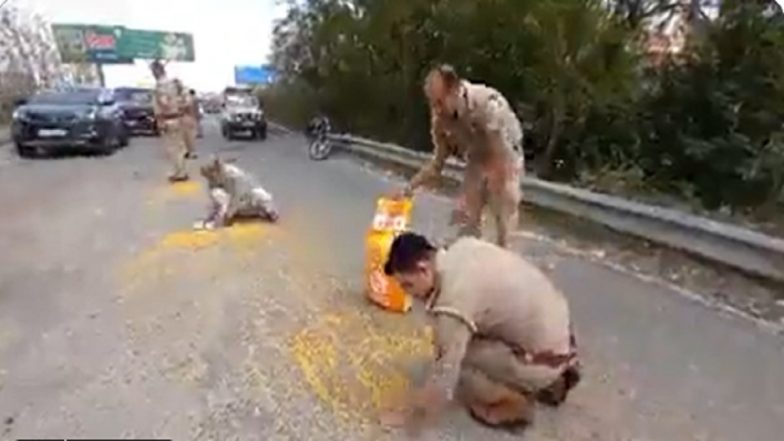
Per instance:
{"type": "Point", "coordinates": [170, 105]}
{"type": "Point", "coordinates": [477, 123]}
{"type": "Point", "coordinates": [192, 124]}
{"type": "Point", "coordinates": [503, 331]}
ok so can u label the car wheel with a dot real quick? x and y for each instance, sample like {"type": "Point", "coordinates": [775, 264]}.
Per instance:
{"type": "Point", "coordinates": [24, 152]}
{"type": "Point", "coordinates": [124, 137]}
{"type": "Point", "coordinates": [108, 145]}
{"type": "Point", "coordinates": [262, 133]}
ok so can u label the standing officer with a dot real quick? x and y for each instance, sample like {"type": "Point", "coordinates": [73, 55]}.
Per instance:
{"type": "Point", "coordinates": [170, 105]}
{"type": "Point", "coordinates": [476, 122]}
{"type": "Point", "coordinates": [192, 124]}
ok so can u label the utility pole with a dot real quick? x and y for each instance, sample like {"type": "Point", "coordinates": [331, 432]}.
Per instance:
{"type": "Point", "coordinates": [101, 77]}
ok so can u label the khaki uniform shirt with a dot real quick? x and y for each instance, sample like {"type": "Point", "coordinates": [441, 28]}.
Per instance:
{"type": "Point", "coordinates": [487, 290]}
{"type": "Point", "coordinates": [485, 130]}
{"type": "Point", "coordinates": [170, 99]}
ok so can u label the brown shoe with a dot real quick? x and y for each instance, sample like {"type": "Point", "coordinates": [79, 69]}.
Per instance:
{"type": "Point", "coordinates": [514, 412]}
{"type": "Point", "coordinates": [178, 178]}
{"type": "Point", "coordinates": [555, 394]}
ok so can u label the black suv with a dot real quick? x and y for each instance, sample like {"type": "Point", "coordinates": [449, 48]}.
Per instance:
{"type": "Point", "coordinates": [137, 109]}
{"type": "Point", "coordinates": [74, 119]}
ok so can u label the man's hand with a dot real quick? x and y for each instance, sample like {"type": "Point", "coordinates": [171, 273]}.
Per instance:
{"type": "Point", "coordinates": [459, 215]}
{"type": "Point", "coordinates": [422, 408]}
{"type": "Point", "coordinates": [395, 418]}
{"type": "Point", "coordinates": [401, 193]}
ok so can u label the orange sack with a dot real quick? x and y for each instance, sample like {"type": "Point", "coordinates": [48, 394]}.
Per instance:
{"type": "Point", "coordinates": [392, 217]}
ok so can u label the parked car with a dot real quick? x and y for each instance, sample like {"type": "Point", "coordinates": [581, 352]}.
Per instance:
{"type": "Point", "coordinates": [137, 110]}
{"type": "Point", "coordinates": [242, 114]}
{"type": "Point", "coordinates": [211, 103]}
{"type": "Point", "coordinates": [79, 119]}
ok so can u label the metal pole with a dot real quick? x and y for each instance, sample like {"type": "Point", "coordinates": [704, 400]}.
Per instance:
{"type": "Point", "coordinates": [101, 78]}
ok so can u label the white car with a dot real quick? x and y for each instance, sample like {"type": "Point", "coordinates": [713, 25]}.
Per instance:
{"type": "Point", "coordinates": [243, 114]}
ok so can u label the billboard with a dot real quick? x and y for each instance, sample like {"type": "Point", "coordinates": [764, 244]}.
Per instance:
{"type": "Point", "coordinates": [89, 43]}
{"type": "Point", "coordinates": [79, 43]}
{"type": "Point", "coordinates": [254, 75]}
{"type": "Point", "coordinates": [174, 46]}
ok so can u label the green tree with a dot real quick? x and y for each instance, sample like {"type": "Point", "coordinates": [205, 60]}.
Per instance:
{"type": "Point", "coordinates": [706, 124]}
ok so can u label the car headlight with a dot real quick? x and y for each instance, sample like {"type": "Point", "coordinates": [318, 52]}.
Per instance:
{"type": "Point", "coordinates": [18, 114]}
{"type": "Point", "coordinates": [91, 114]}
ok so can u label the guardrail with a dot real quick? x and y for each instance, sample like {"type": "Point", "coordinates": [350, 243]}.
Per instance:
{"type": "Point", "coordinates": [736, 247]}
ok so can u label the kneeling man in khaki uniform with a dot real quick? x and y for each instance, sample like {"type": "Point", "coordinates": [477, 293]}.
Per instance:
{"type": "Point", "coordinates": [503, 333]}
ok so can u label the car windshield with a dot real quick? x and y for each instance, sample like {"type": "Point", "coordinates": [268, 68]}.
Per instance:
{"type": "Point", "coordinates": [242, 100]}
{"type": "Point", "coordinates": [70, 97]}
{"type": "Point", "coordinates": [139, 96]}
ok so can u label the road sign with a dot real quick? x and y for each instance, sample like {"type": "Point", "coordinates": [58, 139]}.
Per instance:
{"type": "Point", "coordinates": [254, 75]}
{"type": "Point", "coordinates": [89, 43]}
{"type": "Point", "coordinates": [79, 43]}
{"type": "Point", "coordinates": [175, 46]}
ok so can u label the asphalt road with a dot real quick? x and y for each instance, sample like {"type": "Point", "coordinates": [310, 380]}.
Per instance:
{"type": "Point", "coordinates": [117, 320]}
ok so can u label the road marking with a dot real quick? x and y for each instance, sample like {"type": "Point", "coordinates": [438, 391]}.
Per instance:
{"type": "Point", "coordinates": [354, 366]}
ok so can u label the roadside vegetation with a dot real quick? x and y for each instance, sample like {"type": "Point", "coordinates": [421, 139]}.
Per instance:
{"type": "Point", "coordinates": [677, 102]}
{"type": "Point", "coordinates": [29, 60]}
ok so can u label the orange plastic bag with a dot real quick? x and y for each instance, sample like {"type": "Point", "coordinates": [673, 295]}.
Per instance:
{"type": "Point", "coordinates": [392, 217]}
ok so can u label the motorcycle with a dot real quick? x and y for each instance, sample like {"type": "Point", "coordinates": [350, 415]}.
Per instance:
{"type": "Point", "coordinates": [320, 147]}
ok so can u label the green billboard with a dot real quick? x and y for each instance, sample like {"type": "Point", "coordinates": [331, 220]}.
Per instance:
{"type": "Point", "coordinates": [78, 43]}
{"type": "Point", "coordinates": [174, 46]}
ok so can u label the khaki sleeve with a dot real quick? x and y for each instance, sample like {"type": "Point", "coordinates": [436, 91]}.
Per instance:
{"type": "Point", "coordinates": [440, 154]}
{"type": "Point", "coordinates": [452, 336]}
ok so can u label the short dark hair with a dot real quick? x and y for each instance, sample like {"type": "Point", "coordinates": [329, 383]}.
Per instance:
{"type": "Point", "coordinates": [406, 251]}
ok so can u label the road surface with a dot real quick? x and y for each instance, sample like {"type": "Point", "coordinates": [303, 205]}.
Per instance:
{"type": "Point", "coordinates": [117, 320]}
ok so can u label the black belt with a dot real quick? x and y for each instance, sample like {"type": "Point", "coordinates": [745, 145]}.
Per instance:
{"type": "Point", "coordinates": [171, 116]}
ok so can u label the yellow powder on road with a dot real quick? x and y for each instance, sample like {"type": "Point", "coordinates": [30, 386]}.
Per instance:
{"type": "Point", "coordinates": [353, 367]}
{"type": "Point", "coordinates": [187, 188]}
{"type": "Point", "coordinates": [177, 190]}
{"type": "Point", "coordinates": [192, 240]}
{"type": "Point", "coordinates": [239, 234]}
{"type": "Point", "coordinates": [153, 260]}
{"type": "Point", "coordinates": [245, 234]}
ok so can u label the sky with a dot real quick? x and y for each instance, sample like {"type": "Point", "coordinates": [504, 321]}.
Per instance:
{"type": "Point", "coordinates": [225, 32]}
